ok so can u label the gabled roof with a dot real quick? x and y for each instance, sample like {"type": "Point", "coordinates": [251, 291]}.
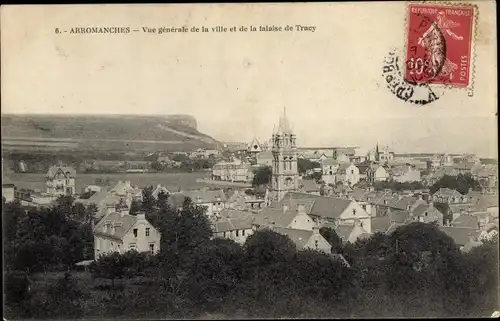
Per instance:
{"type": "Point", "coordinates": [447, 192]}
{"type": "Point", "coordinates": [64, 169]}
{"type": "Point", "coordinates": [122, 188]}
{"type": "Point", "coordinates": [125, 223]}
{"type": "Point", "coordinates": [275, 217]}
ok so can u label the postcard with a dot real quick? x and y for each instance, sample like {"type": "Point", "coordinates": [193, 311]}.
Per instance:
{"type": "Point", "coordinates": [250, 160]}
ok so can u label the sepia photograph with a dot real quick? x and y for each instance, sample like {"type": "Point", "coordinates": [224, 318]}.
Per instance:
{"type": "Point", "coordinates": [250, 160]}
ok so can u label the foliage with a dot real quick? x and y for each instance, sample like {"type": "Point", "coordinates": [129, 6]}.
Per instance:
{"type": "Point", "coordinates": [304, 165]}
{"type": "Point", "coordinates": [415, 271]}
{"type": "Point", "coordinates": [331, 237]}
{"type": "Point", "coordinates": [48, 238]}
{"type": "Point", "coordinates": [262, 176]}
{"type": "Point", "coordinates": [461, 183]}
{"type": "Point", "coordinates": [397, 186]}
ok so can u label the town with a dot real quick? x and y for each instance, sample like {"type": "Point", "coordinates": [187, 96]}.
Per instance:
{"type": "Point", "coordinates": [262, 206]}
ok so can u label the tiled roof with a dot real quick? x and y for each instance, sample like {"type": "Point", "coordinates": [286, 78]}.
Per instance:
{"type": "Point", "coordinates": [468, 221]}
{"type": "Point", "coordinates": [344, 231]}
{"type": "Point", "coordinates": [320, 205]}
{"type": "Point", "coordinates": [380, 224]}
{"type": "Point", "coordinates": [275, 217]}
{"type": "Point", "coordinates": [299, 237]}
{"type": "Point", "coordinates": [421, 209]}
{"type": "Point", "coordinates": [122, 224]}
{"type": "Point", "coordinates": [236, 214]}
{"type": "Point", "coordinates": [231, 224]}
{"type": "Point", "coordinates": [459, 234]}
{"type": "Point", "coordinates": [447, 192]}
{"type": "Point", "coordinates": [484, 202]}
{"type": "Point", "coordinates": [458, 208]}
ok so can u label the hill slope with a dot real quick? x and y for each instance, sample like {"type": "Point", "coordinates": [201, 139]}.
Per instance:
{"type": "Point", "coordinates": [177, 132]}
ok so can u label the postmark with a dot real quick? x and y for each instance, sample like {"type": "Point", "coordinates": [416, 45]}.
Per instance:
{"type": "Point", "coordinates": [439, 44]}
{"type": "Point", "coordinates": [409, 91]}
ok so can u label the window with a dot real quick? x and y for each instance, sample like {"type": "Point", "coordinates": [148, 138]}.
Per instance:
{"type": "Point", "coordinates": [316, 243]}
{"type": "Point", "coordinates": [224, 234]}
{"type": "Point", "coordinates": [237, 232]}
{"type": "Point", "coordinates": [147, 231]}
{"type": "Point", "coordinates": [242, 232]}
{"type": "Point", "coordinates": [135, 232]}
{"type": "Point", "coordinates": [426, 213]}
{"type": "Point", "coordinates": [354, 212]}
{"type": "Point", "coordinates": [132, 246]}
{"type": "Point", "coordinates": [152, 248]}
{"type": "Point", "coordinates": [352, 171]}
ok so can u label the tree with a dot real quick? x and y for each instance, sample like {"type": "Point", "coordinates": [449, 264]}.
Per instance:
{"type": "Point", "coordinates": [266, 246]}
{"type": "Point", "coordinates": [65, 298]}
{"type": "Point", "coordinates": [461, 183]}
{"type": "Point", "coordinates": [115, 266]}
{"type": "Point", "coordinates": [331, 236]}
{"type": "Point", "coordinates": [148, 200]}
{"type": "Point", "coordinates": [135, 207]}
{"type": "Point", "coordinates": [262, 176]}
{"type": "Point", "coordinates": [184, 229]}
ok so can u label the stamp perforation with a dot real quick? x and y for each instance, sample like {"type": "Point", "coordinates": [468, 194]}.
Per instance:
{"type": "Point", "coordinates": [475, 18]}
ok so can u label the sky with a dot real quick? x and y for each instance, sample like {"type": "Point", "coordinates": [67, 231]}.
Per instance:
{"type": "Point", "coordinates": [236, 84]}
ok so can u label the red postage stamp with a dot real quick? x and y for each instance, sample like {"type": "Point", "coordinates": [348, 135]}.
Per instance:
{"type": "Point", "coordinates": [439, 44]}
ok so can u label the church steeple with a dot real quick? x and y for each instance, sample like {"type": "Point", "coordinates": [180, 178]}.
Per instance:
{"type": "Point", "coordinates": [285, 172]}
{"type": "Point", "coordinates": [377, 154]}
{"type": "Point", "coordinates": [284, 125]}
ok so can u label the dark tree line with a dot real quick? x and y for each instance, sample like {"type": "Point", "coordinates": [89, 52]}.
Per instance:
{"type": "Point", "coordinates": [415, 271]}
{"type": "Point", "coordinates": [397, 186]}
{"type": "Point", "coordinates": [461, 183]}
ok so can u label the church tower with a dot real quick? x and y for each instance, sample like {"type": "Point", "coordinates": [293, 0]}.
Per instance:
{"type": "Point", "coordinates": [284, 149]}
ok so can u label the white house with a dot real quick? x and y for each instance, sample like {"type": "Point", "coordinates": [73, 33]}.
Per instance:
{"type": "Point", "coordinates": [61, 180]}
{"type": "Point", "coordinates": [352, 175]}
{"type": "Point", "coordinates": [119, 232]}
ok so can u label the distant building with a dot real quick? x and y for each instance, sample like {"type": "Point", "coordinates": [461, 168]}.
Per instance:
{"type": "Point", "coordinates": [61, 180]}
{"type": "Point", "coordinates": [213, 201]}
{"type": "Point", "coordinates": [405, 174]}
{"type": "Point", "coordinates": [8, 192]}
{"type": "Point", "coordinates": [265, 158]}
{"type": "Point", "coordinates": [234, 171]}
{"type": "Point", "coordinates": [119, 232]}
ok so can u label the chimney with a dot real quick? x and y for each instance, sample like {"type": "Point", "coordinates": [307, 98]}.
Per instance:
{"type": "Point", "coordinates": [431, 204]}
{"type": "Point", "coordinates": [315, 230]}
{"type": "Point", "coordinates": [301, 208]}
{"type": "Point", "coordinates": [141, 216]}
{"type": "Point", "coordinates": [284, 207]}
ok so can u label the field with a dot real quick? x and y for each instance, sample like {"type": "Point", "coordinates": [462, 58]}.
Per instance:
{"type": "Point", "coordinates": [173, 181]}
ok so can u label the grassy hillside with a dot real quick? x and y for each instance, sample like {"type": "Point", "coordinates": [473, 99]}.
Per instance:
{"type": "Point", "coordinates": [32, 132]}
